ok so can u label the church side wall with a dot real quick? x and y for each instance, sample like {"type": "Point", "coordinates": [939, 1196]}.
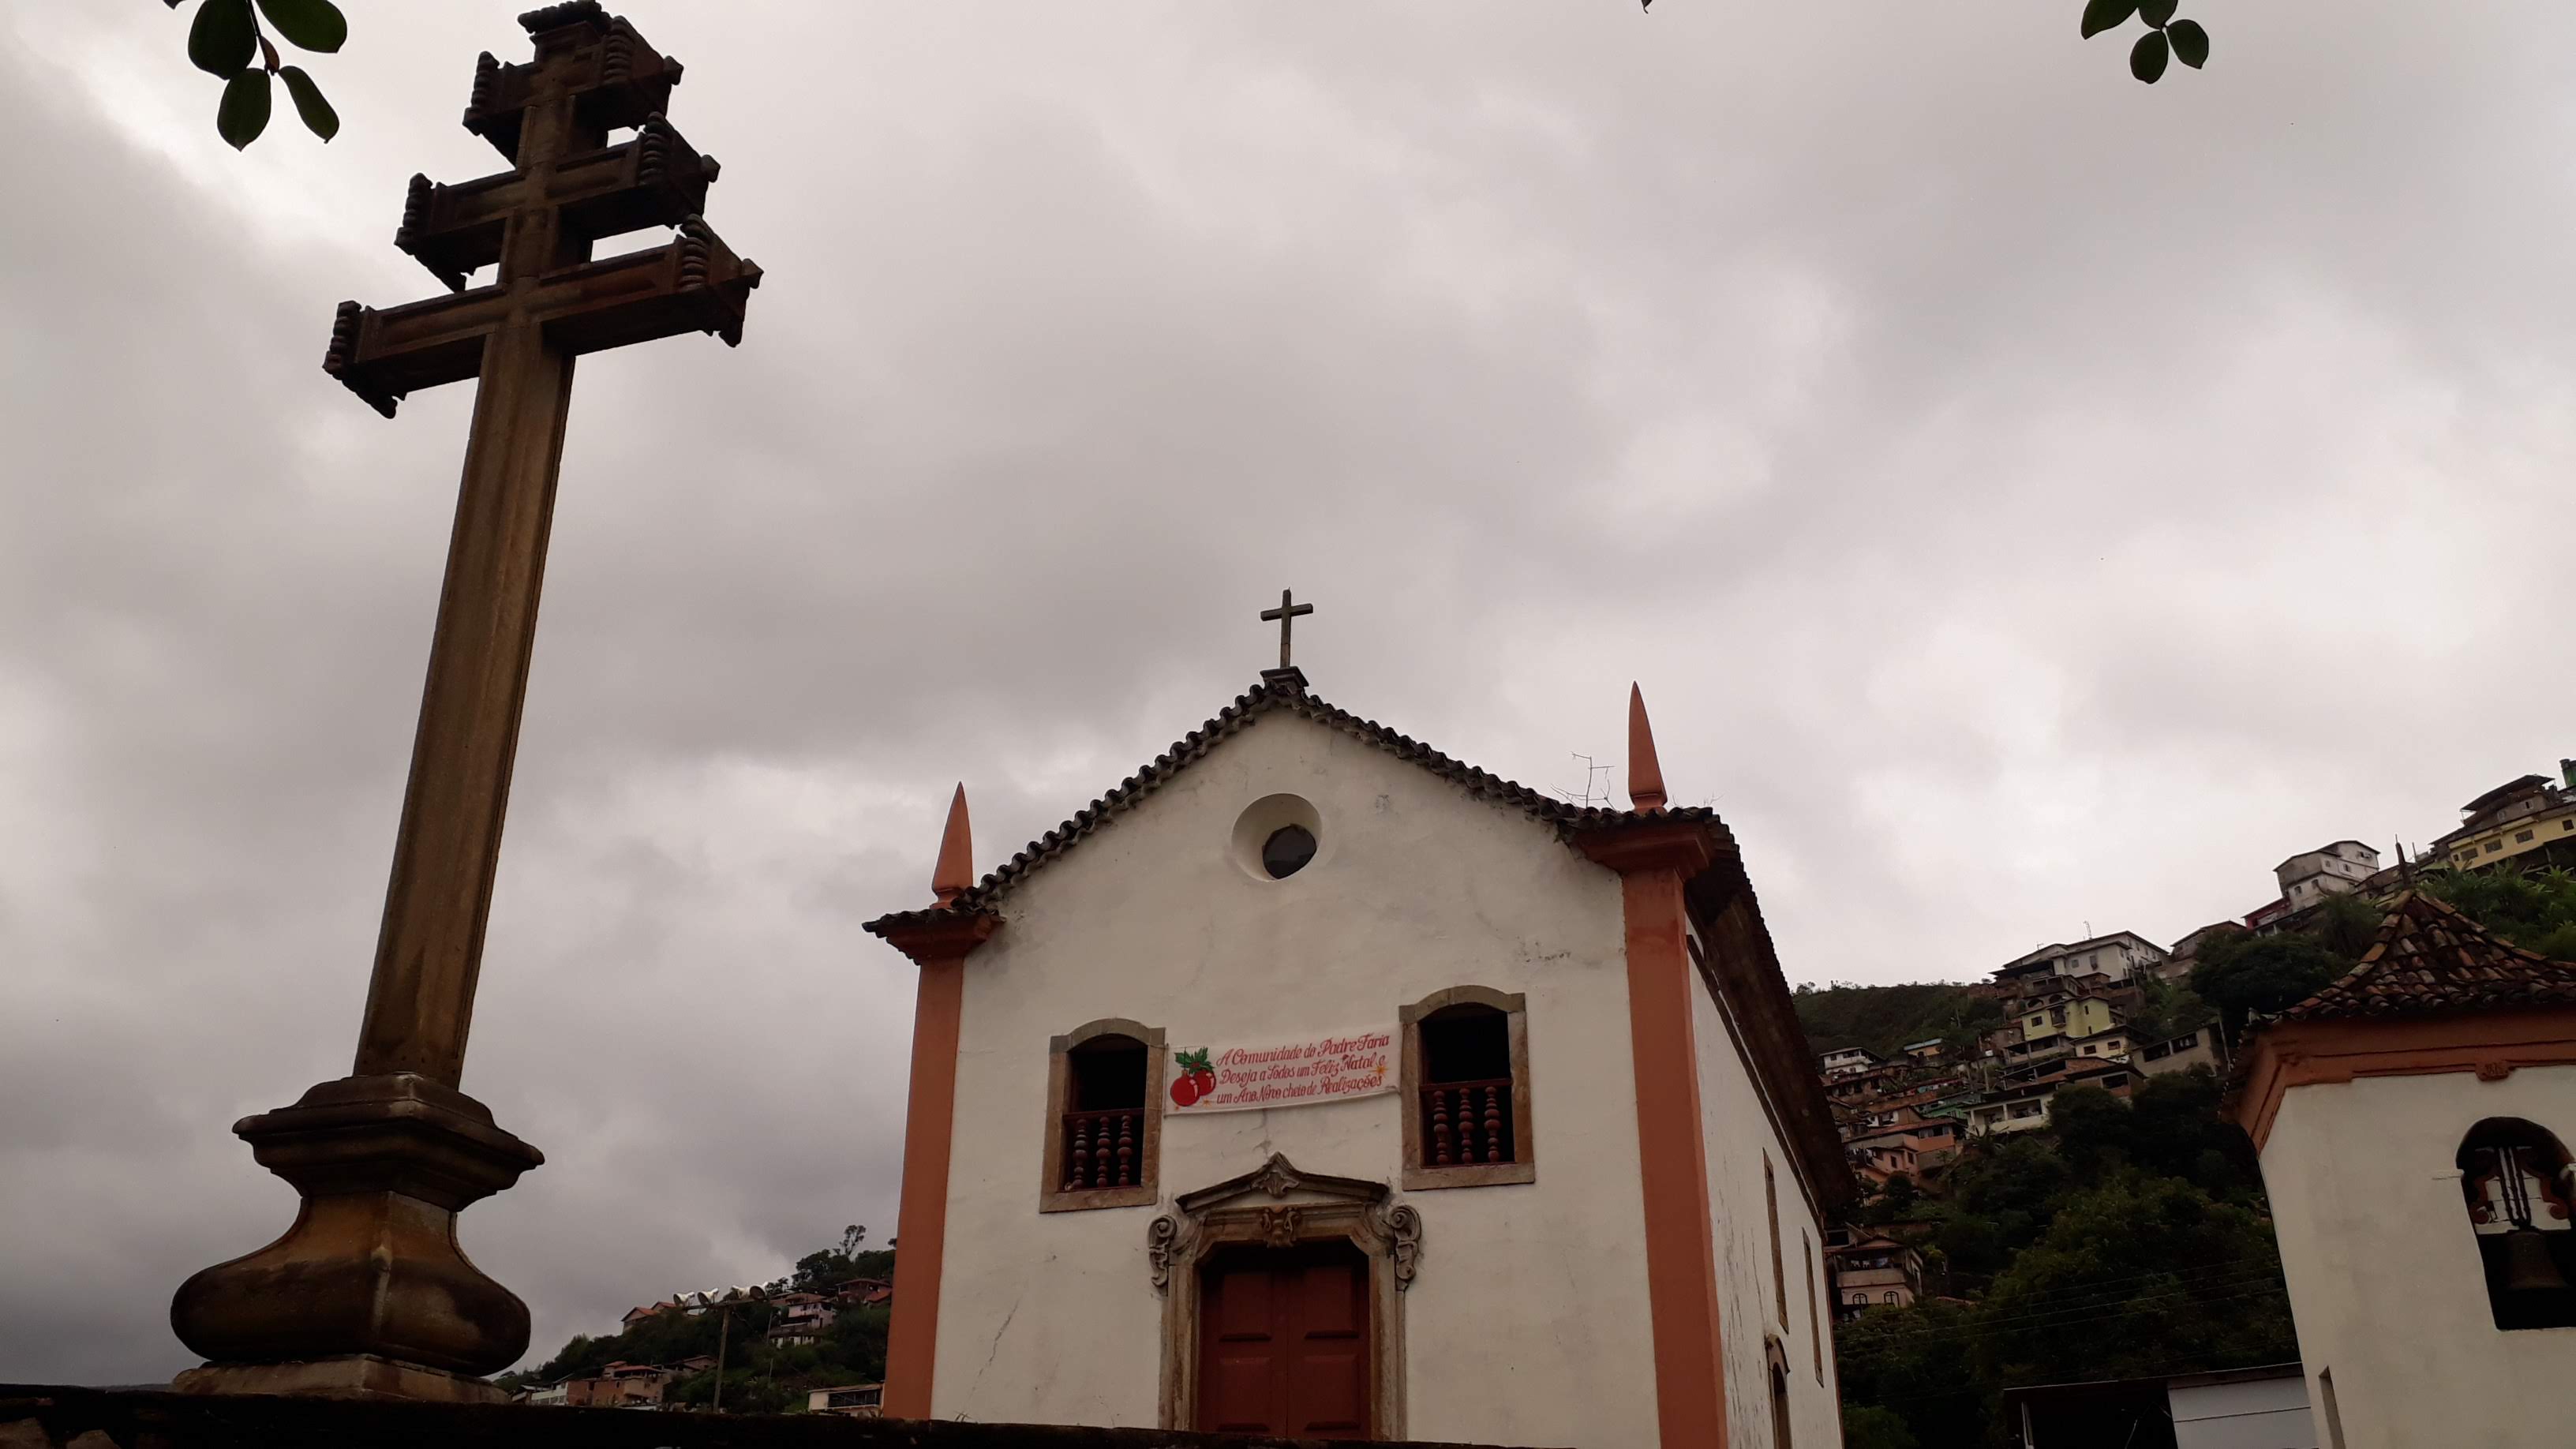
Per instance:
{"type": "Point", "coordinates": [2384, 1276]}
{"type": "Point", "coordinates": [1527, 1322]}
{"type": "Point", "coordinates": [1739, 1136]}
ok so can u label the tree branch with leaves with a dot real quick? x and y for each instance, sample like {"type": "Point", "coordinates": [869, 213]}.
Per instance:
{"type": "Point", "coordinates": [2167, 38]}
{"type": "Point", "coordinates": [227, 41]}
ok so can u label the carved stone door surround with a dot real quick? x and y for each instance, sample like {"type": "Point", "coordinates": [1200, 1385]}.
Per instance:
{"type": "Point", "coordinates": [1278, 1205]}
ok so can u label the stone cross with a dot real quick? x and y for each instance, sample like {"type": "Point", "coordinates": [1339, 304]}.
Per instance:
{"type": "Point", "coordinates": [1287, 615]}
{"type": "Point", "coordinates": [367, 1293]}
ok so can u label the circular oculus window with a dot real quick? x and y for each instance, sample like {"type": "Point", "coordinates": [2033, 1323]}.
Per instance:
{"type": "Point", "coordinates": [1287, 850]}
{"type": "Point", "coordinates": [1277, 836]}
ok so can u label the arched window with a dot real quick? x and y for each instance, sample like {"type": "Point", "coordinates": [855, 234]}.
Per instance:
{"type": "Point", "coordinates": [1891, 1295]}
{"type": "Point", "coordinates": [1780, 1436]}
{"type": "Point", "coordinates": [2520, 1192]}
{"type": "Point", "coordinates": [1104, 1118]}
{"type": "Point", "coordinates": [1466, 1085]}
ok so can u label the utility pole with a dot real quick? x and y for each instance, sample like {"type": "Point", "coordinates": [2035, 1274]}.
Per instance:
{"type": "Point", "coordinates": [724, 1329]}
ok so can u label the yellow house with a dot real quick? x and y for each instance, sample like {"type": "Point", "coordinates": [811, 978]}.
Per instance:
{"type": "Point", "coordinates": [2513, 820]}
{"type": "Point", "coordinates": [2080, 1017]}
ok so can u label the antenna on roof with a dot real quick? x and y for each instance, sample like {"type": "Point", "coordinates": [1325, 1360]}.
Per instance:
{"type": "Point", "coordinates": [1596, 784]}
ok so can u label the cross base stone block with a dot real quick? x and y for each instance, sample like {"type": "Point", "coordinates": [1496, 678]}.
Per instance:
{"type": "Point", "coordinates": [368, 1292]}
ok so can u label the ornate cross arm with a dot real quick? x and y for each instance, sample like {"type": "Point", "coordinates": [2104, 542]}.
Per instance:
{"type": "Point", "coordinates": [614, 77]}
{"type": "Point", "coordinates": [694, 283]}
{"type": "Point", "coordinates": [655, 179]}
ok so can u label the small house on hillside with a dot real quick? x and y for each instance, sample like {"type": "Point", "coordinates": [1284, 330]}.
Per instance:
{"type": "Point", "coordinates": [856, 1401]}
{"type": "Point", "coordinates": [1875, 1272]}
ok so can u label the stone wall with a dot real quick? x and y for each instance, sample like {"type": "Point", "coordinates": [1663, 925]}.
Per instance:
{"type": "Point", "coordinates": [69, 1418]}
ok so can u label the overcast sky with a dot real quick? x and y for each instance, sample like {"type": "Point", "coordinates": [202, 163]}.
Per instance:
{"type": "Point", "coordinates": [2028, 498]}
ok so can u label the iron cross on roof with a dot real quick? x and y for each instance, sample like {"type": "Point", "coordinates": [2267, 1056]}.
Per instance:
{"type": "Point", "coordinates": [1287, 614]}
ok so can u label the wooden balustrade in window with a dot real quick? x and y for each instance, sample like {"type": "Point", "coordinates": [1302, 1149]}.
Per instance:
{"type": "Point", "coordinates": [1101, 1148]}
{"type": "Point", "coordinates": [1467, 1122]}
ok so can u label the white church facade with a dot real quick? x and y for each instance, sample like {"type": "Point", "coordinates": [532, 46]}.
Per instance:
{"type": "Point", "coordinates": [2412, 1120]}
{"type": "Point", "coordinates": [1313, 1083]}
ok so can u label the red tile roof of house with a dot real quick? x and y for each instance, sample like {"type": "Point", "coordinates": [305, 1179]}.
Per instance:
{"type": "Point", "coordinates": [2430, 960]}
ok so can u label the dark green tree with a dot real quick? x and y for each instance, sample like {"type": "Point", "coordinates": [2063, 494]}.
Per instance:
{"type": "Point", "coordinates": [1870, 1427]}
{"type": "Point", "coordinates": [2241, 974]}
{"type": "Point", "coordinates": [2168, 1009]}
{"type": "Point", "coordinates": [2534, 909]}
{"type": "Point", "coordinates": [2347, 924]}
{"type": "Point", "coordinates": [2138, 1275]}
{"type": "Point", "coordinates": [1918, 1363]}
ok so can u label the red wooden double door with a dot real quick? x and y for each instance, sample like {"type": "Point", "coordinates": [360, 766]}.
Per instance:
{"type": "Point", "coordinates": [1284, 1342]}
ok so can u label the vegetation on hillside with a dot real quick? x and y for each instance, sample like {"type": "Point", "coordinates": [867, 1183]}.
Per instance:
{"type": "Point", "coordinates": [2241, 973]}
{"type": "Point", "coordinates": [2535, 910]}
{"type": "Point", "coordinates": [2126, 1239]}
{"type": "Point", "coordinates": [1886, 1019]}
{"type": "Point", "coordinates": [757, 1376]}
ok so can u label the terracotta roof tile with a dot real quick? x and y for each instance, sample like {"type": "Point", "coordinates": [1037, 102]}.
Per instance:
{"type": "Point", "coordinates": [2430, 960]}
{"type": "Point", "coordinates": [1247, 710]}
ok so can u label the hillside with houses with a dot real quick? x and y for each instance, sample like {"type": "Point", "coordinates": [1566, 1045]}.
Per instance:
{"type": "Point", "coordinates": [813, 1341]}
{"type": "Point", "coordinates": [2051, 1193]}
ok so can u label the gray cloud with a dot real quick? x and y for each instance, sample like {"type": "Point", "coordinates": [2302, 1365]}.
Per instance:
{"type": "Point", "coordinates": [2027, 498]}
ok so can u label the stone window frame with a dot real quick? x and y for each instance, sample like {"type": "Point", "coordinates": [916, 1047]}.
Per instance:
{"type": "Point", "coordinates": [1053, 1197]}
{"type": "Point", "coordinates": [1523, 1168]}
{"type": "Point", "coordinates": [1256, 1209]}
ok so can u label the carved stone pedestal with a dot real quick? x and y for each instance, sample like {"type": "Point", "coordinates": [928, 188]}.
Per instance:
{"type": "Point", "coordinates": [358, 1376]}
{"type": "Point", "coordinates": [368, 1294]}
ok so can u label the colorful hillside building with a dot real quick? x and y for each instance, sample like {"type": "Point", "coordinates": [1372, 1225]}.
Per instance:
{"type": "Point", "coordinates": [2412, 1119]}
{"type": "Point", "coordinates": [1311, 1082]}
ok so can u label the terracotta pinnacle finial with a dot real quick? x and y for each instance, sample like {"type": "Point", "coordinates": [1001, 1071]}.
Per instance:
{"type": "Point", "coordinates": [1645, 773]}
{"type": "Point", "coordinates": [955, 873]}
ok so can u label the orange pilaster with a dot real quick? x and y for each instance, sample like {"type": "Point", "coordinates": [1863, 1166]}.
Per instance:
{"type": "Point", "coordinates": [921, 1227]}
{"type": "Point", "coordinates": [1653, 861]}
{"type": "Point", "coordinates": [1681, 1249]}
{"type": "Point", "coordinates": [938, 943]}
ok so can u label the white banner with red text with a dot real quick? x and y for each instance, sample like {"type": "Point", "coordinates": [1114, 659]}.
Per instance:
{"type": "Point", "coordinates": [1303, 1073]}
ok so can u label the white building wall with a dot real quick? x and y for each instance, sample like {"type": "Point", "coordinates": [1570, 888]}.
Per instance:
{"type": "Point", "coordinates": [2248, 1414]}
{"type": "Point", "coordinates": [1527, 1323]}
{"type": "Point", "coordinates": [2384, 1275]}
{"type": "Point", "coordinates": [1739, 1136]}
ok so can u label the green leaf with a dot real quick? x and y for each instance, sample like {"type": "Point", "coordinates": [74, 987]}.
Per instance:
{"type": "Point", "coordinates": [244, 112]}
{"type": "Point", "coordinates": [2101, 15]}
{"type": "Point", "coordinates": [317, 24]}
{"type": "Point", "coordinates": [2190, 42]}
{"type": "Point", "coordinates": [2147, 57]}
{"type": "Point", "coordinates": [221, 38]}
{"type": "Point", "coordinates": [2154, 12]}
{"type": "Point", "coordinates": [318, 116]}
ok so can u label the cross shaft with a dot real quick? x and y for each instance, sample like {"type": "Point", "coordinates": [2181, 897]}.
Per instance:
{"type": "Point", "coordinates": [518, 335]}
{"type": "Point", "coordinates": [368, 1293]}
